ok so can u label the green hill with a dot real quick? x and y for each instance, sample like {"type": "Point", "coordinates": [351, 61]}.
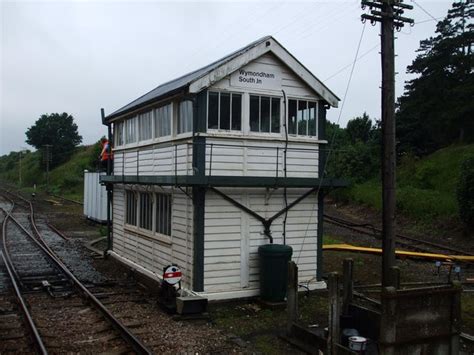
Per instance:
{"type": "Point", "coordinates": [426, 188]}
{"type": "Point", "coordinates": [66, 179]}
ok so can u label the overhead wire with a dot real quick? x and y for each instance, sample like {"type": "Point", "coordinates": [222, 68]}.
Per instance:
{"type": "Point", "coordinates": [350, 64]}
{"type": "Point", "coordinates": [333, 137]}
{"type": "Point", "coordinates": [423, 9]}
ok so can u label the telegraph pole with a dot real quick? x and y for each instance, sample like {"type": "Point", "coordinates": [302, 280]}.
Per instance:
{"type": "Point", "coordinates": [48, 157]}
{"type": "Point", "coordinates": [388, 13]}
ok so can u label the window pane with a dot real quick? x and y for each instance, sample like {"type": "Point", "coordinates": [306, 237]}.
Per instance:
{"type": "Point", "coordinates": [225, 111]}
{"type": "Point", "coordinates": [146, 210]}
{"type": "Point", "coordinates": [185, 119]}
{"type": "Point", "coordinates": [168, 222]}
{"type": "Point", "coordinates": [264, 114]}
{"type": "Point", "coordinates": [166, 120]}
{"type": "Point", "coordinates": [275, 115]}
{"type": "Point", "coordinates": [131, 213]}
{"type": "Point", "coordinates": [236, 112]}
{"type": "Point", "coordinates": [163, 214]}
{"type": "Point", "coordinates": [302, 117]}
{"type": "Point", "coordinates": [254, 113]}
{"type": "Point", "coordinates": [118, 133]}
{"type": "Point", "coordinates": [292, 117]}
{"type": "Point", "coordinates": [156, 118]}
{"type": "Point", "coordinates": [312, 123]}
{"type": "Point", "coordinates": [144, 123]}
{"type": "Point", "coordinates": [212, 120]}
{"type": "Point", "coordinates": [130, 128]}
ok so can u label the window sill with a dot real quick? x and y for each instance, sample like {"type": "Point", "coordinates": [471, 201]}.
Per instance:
{"type": "Point", "coordinates": [142, 233]}
{"type": "Point", "coordinates": [255, 136]}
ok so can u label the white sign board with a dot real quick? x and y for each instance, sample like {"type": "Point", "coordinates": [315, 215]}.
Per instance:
{"type": "Point", "coordinates": [256, 77]}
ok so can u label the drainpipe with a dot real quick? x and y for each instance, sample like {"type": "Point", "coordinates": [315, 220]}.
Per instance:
{"type": "Point", "coordinates": [108, 186]}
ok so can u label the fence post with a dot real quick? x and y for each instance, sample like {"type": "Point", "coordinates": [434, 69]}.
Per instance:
{"type": "Point", "coordinates": [456, 318]}
{"type": "Point", "coordinates": [395, 277]}
{"type": "Point", "coordinates": [292, 296]}
{"type": "Point", "coordinates": [334, 312]}
{"type": "Point", "coordinates": [348, 284]}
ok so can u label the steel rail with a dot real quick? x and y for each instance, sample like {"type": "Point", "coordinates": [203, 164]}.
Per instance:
{"type": "Point", "coordinates": [24, 308]}
{"type": "Point", "coordinates": [356, 227]}
{"type": "Point", "coordinates": [130, 338]}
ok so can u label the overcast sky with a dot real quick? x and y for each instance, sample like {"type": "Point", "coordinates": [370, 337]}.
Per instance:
{"type": "Point", "coordinates": [76, 57]}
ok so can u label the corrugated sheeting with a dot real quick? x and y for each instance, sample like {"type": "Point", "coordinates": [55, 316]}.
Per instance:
{"type": "Point", "coordinates": [95, 197]}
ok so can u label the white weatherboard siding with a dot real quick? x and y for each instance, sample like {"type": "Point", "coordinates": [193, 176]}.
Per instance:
{"type": "Point", "coordinates": [155, 160]}
{"type": "Point", "coordinates": [232, 237]}
{"type": "Point", "coordinates": [148, 252]}
{"type": "Point", "coordinates": [268, 63]}
{"type": "Point", "coordinates": [240, 157]}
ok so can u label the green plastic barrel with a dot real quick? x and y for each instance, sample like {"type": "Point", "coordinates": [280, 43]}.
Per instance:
{"type": "Point", "coordinates": [274, 260]}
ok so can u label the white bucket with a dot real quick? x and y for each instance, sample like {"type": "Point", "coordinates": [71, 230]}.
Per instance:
{"type": "Point", "coordinates": [357, 343]}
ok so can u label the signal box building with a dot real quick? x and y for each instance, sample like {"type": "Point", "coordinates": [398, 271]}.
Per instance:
{"type": "Point", "coordinates": [217, 162]}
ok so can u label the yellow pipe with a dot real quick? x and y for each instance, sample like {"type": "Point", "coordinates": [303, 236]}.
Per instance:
{"type": "Point", "coordinates": [399, 253]}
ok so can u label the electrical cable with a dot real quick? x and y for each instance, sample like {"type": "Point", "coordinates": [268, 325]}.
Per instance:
{"type": "Point", "coordinates": [333, 137]}
{"type": "Point", "coordinates": [348, 65]}
{"type": "Point", "coordinates": [285, 195]}
{"type": "Point", "coordinates": [423, 9]}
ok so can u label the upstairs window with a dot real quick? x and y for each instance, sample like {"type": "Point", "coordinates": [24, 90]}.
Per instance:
{"type": "Point", "coordinates": [118, 133]}
{"type": "Point", "coordinates": [185, 117]}
{"type": "Point", "coordinates": [130, 130]}
{"type": "Point", "coordinates": [144, 126]}
{"type": "Point", "coordinates": [224, 111]}
{"type": "Point", "coordinates": [130, 208]}
{"type": "Point", "coordinates": [162, 117]}
{"type": "Point", "coordinates": [302, 118]}
{"type": "Point", "coordinates": [264, 114]}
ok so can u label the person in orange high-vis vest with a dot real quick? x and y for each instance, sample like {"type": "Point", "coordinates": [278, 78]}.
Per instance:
{"type": "Point", "coordinates": [105, 156]}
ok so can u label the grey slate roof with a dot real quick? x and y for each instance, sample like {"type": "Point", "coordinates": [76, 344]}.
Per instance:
{"type": "Point", "coordinates": [181, 82]}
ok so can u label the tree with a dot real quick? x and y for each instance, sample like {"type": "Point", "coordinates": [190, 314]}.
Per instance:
{"type": "Point", "coordinates": [359, 129]}
{"type": "Point", "coordinates": [437, 107]}
{"type": "Point", "coordinates": [465, 193]}
{"type": "Point", "coordinates": [57, 130]}
{"type": "Point", "coordinates": [355, 151]}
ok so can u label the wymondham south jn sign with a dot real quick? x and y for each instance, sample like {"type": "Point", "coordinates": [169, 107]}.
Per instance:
{"type": "Point", "coordinates": [255, 77]}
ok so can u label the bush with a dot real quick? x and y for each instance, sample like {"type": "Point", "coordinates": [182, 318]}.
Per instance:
{"type": "Point", "coordinates": [465, 193]}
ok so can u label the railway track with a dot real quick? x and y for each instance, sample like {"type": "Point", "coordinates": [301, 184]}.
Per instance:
{"type": "Point", "coordinates": [58, 313]}
{"type": "Point", "coordinates": [404, 241]}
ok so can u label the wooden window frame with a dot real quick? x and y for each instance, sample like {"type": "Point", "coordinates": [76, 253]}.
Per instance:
{"type": "Point", "coordinates": [316, 117]}
{"type": "Point", "coordinates": [219, 129]}
{"type": "Point", "coordinates": [271, 97]}
{"type": "Point", "coordinates": [137, 229]}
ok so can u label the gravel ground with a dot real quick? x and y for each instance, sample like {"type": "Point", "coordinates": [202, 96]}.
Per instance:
{"type": "Point", "coordinates": [244, 327]}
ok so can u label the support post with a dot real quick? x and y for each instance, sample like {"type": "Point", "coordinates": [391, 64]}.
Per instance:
{"type": "Point", "coordinates": [388, 12]}
{"type": "Point", "coordinates": [456, 316]}
{"type": "Point", "coordinates": [334, 313]}
{"type": "Point", "coordinates": [292, 296]}
{"type": "Point", "coordinates": [348, 284]}
{"type": "Point", "coordinates": [388, 331]}
{"type": "Point", "coordinates": [395, 277]}
{"type": "Point", "coordinates": [108, 187]}
{"type": "Point", "coordinates": [388, 145]}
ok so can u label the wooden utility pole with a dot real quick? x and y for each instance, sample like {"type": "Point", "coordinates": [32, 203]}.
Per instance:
{"type": "Point", "coordinates": [388, 13]}
{"type": "Point", "coordinates": [48, 157]}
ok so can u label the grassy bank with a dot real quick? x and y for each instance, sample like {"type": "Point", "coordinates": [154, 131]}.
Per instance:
{"type": "Point", "coordinates": [426, 188]}
{"type": "Point", "coordinates": [66, 179]}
